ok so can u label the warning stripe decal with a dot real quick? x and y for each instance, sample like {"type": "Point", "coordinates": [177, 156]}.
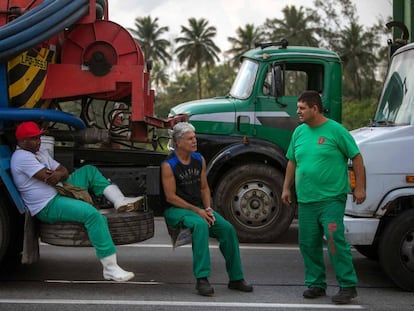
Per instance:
{"type": "Point", "coordinates": [27, 76]}
{"type": "Point", "coordinates": [17, 68]}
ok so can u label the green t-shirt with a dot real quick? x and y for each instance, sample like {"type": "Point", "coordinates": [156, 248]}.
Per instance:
{"type": "Point", "coordinates": [321, 155]}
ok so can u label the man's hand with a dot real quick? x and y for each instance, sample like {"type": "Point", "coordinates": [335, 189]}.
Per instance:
{"type": "Point", "coordinates": [359, 195]}
{"type": "Point", "coordinates": [210, 212]}
{"type": "Point", "coordinates": [208, 215]}
{"type": "Point", "coordinates": [287, 197]}
{"type": "Point", "coordinates": [287, 184]}
{"type": "Point", "coordinates": [53, 177]}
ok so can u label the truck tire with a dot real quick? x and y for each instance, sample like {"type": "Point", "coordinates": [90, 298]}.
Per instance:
{"type": "Point", "coordinates": [249, 197]}
{"type": "Point", "coordinates": [396, 250]}
{"type": "Point", "coordinates": [125, 228]}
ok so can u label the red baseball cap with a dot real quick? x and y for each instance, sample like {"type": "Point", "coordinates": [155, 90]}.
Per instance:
{"type": "Point", "coordinates": [28, 129]}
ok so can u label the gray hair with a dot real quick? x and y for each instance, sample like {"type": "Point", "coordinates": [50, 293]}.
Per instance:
{"type": "Point", "coordinates": [178, 132]}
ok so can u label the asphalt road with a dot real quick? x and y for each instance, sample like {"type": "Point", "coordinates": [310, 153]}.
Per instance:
{"type": "Point", "coordinates": [71, 279]}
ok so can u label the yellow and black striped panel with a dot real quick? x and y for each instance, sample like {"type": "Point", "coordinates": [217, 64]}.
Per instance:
{"type": "Point", "coordinates": [27, 76]}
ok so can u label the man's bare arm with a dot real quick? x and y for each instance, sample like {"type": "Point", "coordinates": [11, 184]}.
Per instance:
{"type": "Point", "coordinates": [359, 170]}
{"type": "Point", "coordinates": [52, 177]}
{"type": "Point", "coordinates": [288, 183]}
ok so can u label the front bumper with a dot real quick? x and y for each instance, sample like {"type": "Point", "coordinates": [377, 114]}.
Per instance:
{"type": "Point", "coordinates": [360, 231]}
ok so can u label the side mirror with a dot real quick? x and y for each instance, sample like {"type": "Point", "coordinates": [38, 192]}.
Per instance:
{"type": "Point", "coordinates": [278, 86]}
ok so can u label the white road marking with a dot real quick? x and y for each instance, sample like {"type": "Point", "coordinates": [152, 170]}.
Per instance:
{"type": "Point", "coordinates": [212, 246]}
{"type": "Point", "coordinates": [253, 247]}
{"type": "Point", "coordinates": [181, 303]}
{"type": "Point", "coordinates": [105, 282]}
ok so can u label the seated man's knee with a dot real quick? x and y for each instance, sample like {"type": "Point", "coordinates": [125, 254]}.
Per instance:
{"type": "Point", "coordinates": [228, 228]}
{"type": "Point", "coordinates": [199, 224]}
{"type": "Point", "coordinates": [88, 168]}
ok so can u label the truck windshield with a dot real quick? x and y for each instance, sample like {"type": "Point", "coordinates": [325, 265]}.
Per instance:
{"type": "Point", "coordinates": [397, 99]}
{"type": "Point", "coordinates": [243, 85]}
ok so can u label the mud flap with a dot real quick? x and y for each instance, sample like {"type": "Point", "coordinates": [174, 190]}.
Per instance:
{"type": "Point", "coordinates": [30, 240]}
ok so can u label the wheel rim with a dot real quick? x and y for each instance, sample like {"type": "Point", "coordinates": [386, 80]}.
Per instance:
{"type": "Point", "coordinates": [407, 251]}
{"type": "Point", "coordinates": [254, 205]}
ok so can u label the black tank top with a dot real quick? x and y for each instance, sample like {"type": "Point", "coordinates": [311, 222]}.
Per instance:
{"type": "Point", "coordinates": [187, 177]}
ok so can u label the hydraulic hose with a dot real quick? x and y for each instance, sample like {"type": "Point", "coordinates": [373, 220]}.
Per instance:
{"type": "Point", "coordinates": [31, 18]}
{"type": "Point", "coordinates": [45, 25]}
{"type": "Point", "coordinates": [29, 114]}
{"type": "Point", "coordinates": [57, 22]}
{"type": "Point", "coordinates": [12, 52]}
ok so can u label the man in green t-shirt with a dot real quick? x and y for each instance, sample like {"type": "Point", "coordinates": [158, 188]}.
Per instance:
{"type": "Point", "coordinates": [318, 155]}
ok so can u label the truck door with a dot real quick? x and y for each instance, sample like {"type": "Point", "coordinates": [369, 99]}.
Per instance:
{"type": "Point", "coordinates": [276, 106]}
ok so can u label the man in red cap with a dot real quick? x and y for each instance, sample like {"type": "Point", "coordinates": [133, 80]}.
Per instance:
{"type": "Point", "coordinates": [36, 174]}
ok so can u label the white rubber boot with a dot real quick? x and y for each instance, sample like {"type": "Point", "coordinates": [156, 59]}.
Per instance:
{"type": "Point", "coordinates": [121, 202]}
{"type": "Point", "coordinates": [111, 270]}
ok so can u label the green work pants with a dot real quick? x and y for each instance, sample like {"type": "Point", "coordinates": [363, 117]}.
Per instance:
{"type": "Point", "coordinates": [222, 230]}
{"type": "Point", "coordinates": [315, 221]}
{"type": "Point", "coordinates": [62, 208]}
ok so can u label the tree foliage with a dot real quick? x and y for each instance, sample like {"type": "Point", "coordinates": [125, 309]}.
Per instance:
{"type": "Point", "coordinates": [160, 76]}
{"type": "Point", "coordinates": [356, 114]}
{"type": "Point", "coordinates": [298, 26]}
{"type": "Point", "coordinates": [245, 40]}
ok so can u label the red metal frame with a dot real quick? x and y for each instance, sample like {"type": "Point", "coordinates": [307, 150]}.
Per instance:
{"type": "Point", "coordinates": [22, 5]}
{"type": "Point", "coordinates": [127, 76]}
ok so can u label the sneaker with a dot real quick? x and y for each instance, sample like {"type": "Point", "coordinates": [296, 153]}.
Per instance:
{"type": "Point", "coordinates": [204, 288]}
{"type": "Point", "coordinates": [240, 285]}
{"type": "Point", "coordinates": [344, 295]}
{"type": "Point", "coordinates": [314, 292]}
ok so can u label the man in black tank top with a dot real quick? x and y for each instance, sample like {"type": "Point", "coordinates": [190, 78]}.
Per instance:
{"type": "Point", "coordinates": [187, 193]}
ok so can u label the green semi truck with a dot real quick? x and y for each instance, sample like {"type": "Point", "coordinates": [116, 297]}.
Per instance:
{"type": "Point", "coordinates": [244, 135]}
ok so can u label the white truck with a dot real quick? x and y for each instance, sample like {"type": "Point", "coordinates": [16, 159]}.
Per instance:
{"type": "Point", "coordinates": [382, 228]}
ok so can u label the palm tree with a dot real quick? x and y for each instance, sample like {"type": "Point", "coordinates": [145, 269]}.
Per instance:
{"type": "Point", "coordinates": [245, 40]}
{"type": "Point", "coordinates": [148, 35]}
{"type": "Point", "coordinates": [159, 76]}
{"type": "Point", "coordinates": [197, 47]}
{"type": "Point", "coordinates": [357, 51]}
{"type": "Point", "coordinates": [299, 27]}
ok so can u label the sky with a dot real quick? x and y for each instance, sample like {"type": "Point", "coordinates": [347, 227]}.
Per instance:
{"type": "Point", "coordinates": [225, 15]}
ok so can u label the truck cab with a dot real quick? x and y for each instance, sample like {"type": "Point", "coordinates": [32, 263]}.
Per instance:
{"type": "Point", "coordinates": [382, 227]}
{"type": "Point", "coordinates": [244, 135]}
